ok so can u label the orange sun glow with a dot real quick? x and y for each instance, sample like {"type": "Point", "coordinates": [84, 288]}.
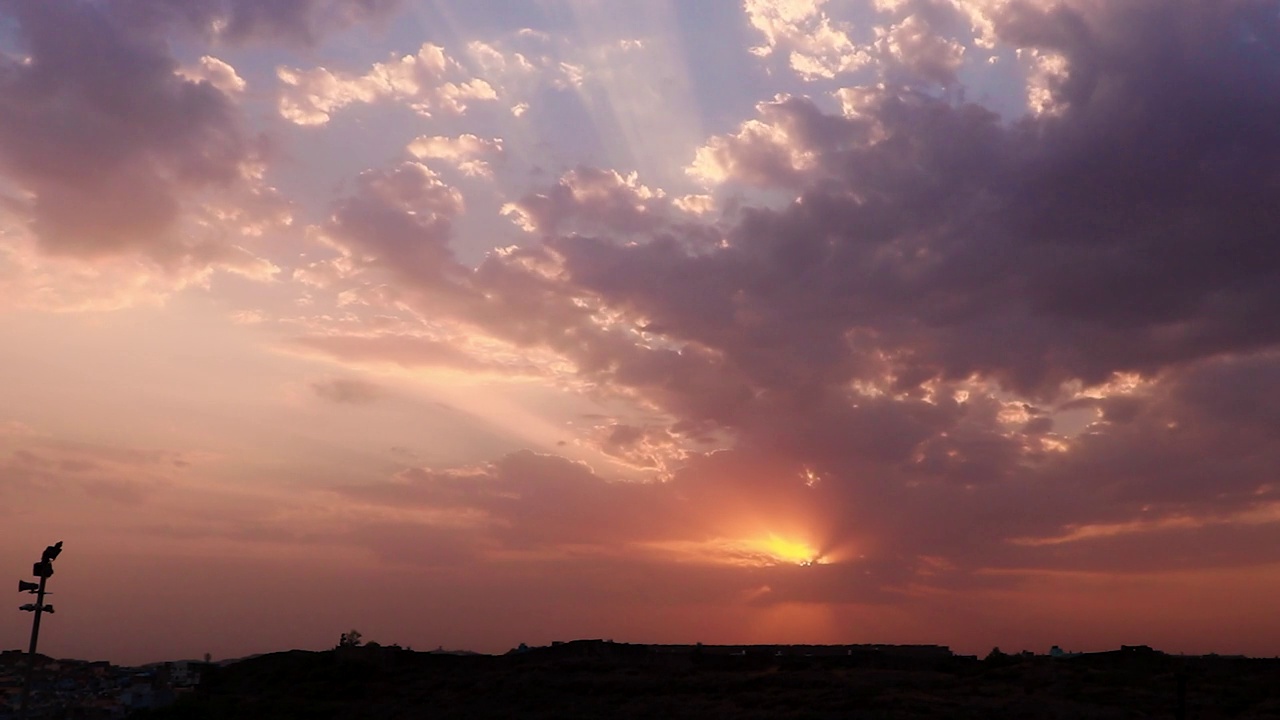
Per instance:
{"type": "Point", "coordinates": [785, 550]}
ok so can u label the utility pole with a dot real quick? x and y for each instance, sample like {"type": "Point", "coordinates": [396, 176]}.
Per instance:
{"type": "Point", "coordinates": [44, 571]}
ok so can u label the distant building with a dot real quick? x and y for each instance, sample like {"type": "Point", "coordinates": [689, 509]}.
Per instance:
{"type": "Point", "coordinates": [1137, 649]}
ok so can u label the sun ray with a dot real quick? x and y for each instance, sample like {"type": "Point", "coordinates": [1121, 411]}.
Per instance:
{"type": "Point", "coordinates": [647, 103]}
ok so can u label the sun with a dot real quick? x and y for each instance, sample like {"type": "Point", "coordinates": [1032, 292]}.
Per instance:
{"type": "Point", "coordinates": [763, 550]}
{"type": "Point", "coordinates": [786, 550]}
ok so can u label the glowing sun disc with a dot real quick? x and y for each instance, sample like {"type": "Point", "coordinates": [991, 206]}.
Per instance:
{"type": "Point", "coordinates": [786, 550]}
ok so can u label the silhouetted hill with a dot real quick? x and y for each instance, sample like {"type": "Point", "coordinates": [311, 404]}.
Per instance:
{"type": "Point", "coordinates": [597, 679]}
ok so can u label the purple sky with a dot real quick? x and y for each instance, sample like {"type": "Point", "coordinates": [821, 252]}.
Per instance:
{"type": "Point", "coordinates": [487, 322]}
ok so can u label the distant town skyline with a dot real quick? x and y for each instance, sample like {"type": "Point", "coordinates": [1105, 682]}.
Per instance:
{"type": "Point", "coordinates": [473, 323]}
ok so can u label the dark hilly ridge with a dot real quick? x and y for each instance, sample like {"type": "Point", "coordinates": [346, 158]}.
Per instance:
{"type": "Point", "coordinates": [594, 679]}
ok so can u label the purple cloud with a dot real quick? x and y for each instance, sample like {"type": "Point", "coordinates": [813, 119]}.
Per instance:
{"type": "Point", "coordinates": [943, 286]}
{"type": "Point", "coordinates": [108, 140]}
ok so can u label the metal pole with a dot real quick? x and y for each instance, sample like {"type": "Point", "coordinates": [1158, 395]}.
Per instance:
{"type": "Point", "coordinates": [35, 624]}
{"type": "Point", "coordinates": [42, 570]}
{"type": "Point", "coordinates": [31, 650]}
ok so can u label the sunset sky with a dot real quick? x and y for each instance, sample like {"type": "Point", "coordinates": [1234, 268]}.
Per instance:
{"type": "Point", "coordinates": [469, 323]}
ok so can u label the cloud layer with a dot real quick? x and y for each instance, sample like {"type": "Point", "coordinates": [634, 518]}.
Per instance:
{"type": "Point", "coordinates": [977, 332]}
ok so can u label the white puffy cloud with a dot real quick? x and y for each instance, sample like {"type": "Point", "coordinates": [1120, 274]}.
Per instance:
{"type": "Point", "coordinates": [815, 45]}
{"type": "Point", "coordinates": [217, 73]}
{"type": "Point", "coordinates": [469, 153]}
{"type": "Point", "coordinates": [427, 81]}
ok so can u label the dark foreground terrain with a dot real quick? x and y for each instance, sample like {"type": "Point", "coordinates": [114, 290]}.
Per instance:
{"type": "Point", "coordinates": [596, 679]}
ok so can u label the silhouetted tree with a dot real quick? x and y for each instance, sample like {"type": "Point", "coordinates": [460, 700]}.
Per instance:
{"type": "Point", "coordinates": [350, 639]}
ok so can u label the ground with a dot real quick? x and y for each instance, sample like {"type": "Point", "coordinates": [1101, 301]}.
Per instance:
{"type": "Point", "coordinates": [594, 679]}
